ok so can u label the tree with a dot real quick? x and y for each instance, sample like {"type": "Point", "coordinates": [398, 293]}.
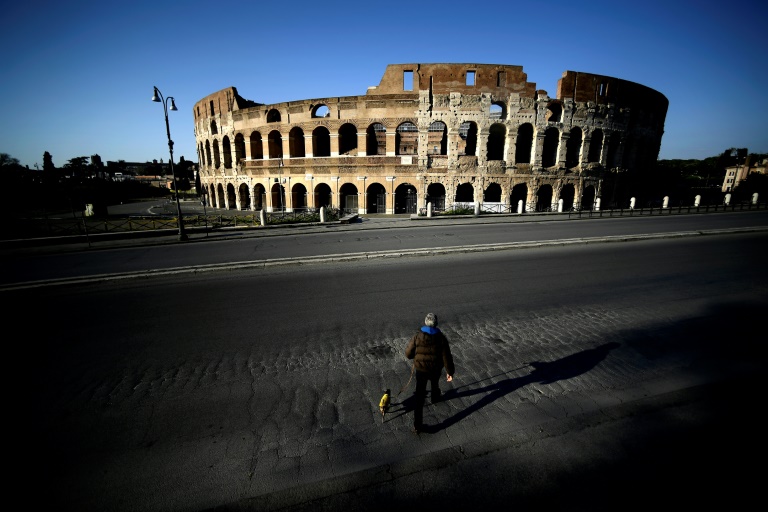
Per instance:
{"type": "Point", "coordinates": [48, 162]}
{"type": "Point", "coordinates": [8, 162]}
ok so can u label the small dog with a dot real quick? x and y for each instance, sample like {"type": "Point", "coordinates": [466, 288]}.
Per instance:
{"type": "Point", "coordinates": [384, 404]}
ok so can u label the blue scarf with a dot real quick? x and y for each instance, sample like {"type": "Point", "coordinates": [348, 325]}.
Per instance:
{"type": "Point", "coordinates": [430, 330]}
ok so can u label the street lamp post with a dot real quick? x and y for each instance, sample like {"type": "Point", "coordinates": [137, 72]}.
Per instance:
{"type": "Point", "coordinates": [158, 97]}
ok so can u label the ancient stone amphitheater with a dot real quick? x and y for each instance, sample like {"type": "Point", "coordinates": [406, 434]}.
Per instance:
{"type": "Point", "coordinates": [452, 135]}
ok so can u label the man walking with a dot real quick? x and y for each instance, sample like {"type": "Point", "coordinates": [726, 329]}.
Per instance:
{"type": "Point", "coordinates": [430, 353]}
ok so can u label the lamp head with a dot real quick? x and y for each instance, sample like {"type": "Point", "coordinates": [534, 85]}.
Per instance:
{"type": "Point", "coordinates": [173, 105]}
{"type": "Point", "coordinates": [154, 96]}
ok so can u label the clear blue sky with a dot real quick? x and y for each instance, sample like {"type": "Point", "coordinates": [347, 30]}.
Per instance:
{"type": "Point", "coordinates": [78, 75]}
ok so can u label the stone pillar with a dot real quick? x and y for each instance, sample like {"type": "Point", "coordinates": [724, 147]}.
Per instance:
{"type": "Point", "coordinates": [391, 142]}
{"type": "Point", "coordinates": [308, 145]}
{"type": "Point", "coordinates": [285, 147]}
{"type": "Point", "coordinates": [538, 149]}
{"type": "Point", "coordinates": [361, 143]}
{"type": "Point", "coordinates": [334, 144]}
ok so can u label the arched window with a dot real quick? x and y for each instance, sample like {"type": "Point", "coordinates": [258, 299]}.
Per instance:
{"type": "Point", "coordinates": [468, 135]}
{"type": "Point", "coordinates": [273, 116]}
{"type": "Point", "coordinates": [296, 142]}
{"type": "Point", "coordinates": [406, 139]}
{"type": "Point", "coordinates": [227, 152]}
{"type": "Point", "coordinates": [239, 147]}
{"type": "Point", "coordinates": [595, 146]}
{"type": "Point", "coordinates": [275, 144]}
{"type": "Point", "coordinates": [376, 140]}
{"type": "Point", "coordinates": [348, 139]}
{"type": "Point", "coordinates": [498, 111]}
{"type": "Point", "coordinates": [573, 148]}
{"type": "Point", "coordinates": [437, 143]}
{"type": "Point", "coordinates": [257, 147]}
{"type": "Point", "coordinates": [549, 151]}
{"type": "Point", "coordinates": [321, 142]}
{"type": "Point", "coordinates": [524, 144]}
{"type": "Point", "coordinates": [321, 111]}
{"type": "Point", "coordinates": [496, 138]}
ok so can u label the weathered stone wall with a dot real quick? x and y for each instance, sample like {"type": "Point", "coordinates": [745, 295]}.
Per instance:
{"type": "Point", "coordinates": [446, 125]}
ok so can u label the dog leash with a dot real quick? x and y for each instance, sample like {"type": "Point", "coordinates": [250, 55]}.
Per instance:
{"type": "Point", "coordinates": [413, 369]}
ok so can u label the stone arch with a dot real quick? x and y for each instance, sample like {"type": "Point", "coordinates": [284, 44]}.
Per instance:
{"type": "Point", "coordinates": [498, 111]}
{"type": "Point", "coordinates": [573, 148]}
{"type": "Point", "coordinates": [614, 144]}
{"type": "Point", "coordinates": [524, 144]}
{"type": "Point", "coordinates": [544, 198]}
{"type": "Point", "coordinates": [549, 151]}
{"type": "Point", "coordinates": [492, 193]}
{"type": "Point", "coordinates": [348, 139]}
{"type": "Point", "coordinates": [227, 150]}
{"type": "Point", "coordinates": [216, 154]}
{"type": "Point", "coordinates": [259, 197]}
{"type": "Point", "coordinates": [568, 195]}
{"type": "Point", "coordinates": [278, 196]}
{"type": "Point", "coordinates": [437, 142]}
{"type": "Point", "coordinates": [348, 196]}
{"type": "Point", "coordinates": [465, 193]}
{"type": "Point", "coordinates": [554, 112]}
{"type": "Point", "coordinates": [273, 116]}
{"type": "Point", "coordinates": [497, 135]}
{"type": "Point", "coordinates": [322, 195]}
{"type": "Point", "coordinates": [222, 203]}
{"type": "Point", "coordinates": [321, 142]}
{"type": "Point", "coordinates": [405, 198]}
{"type": "Point", "coordinates": [321, 110]}
{"type": "Point", "coordinates": [406, 139]}
{"type": "Point", "coordinates": [588, 198]}
{"type": "Point", "coordinates": [296, 142]}
{"type": "Point", "coordinates": [231, 198]}
{"type": "Point", "coordinates": [239, 148]}
{"type": "Point", "coordinates": [519, 193]}
{"type": "Point", "coordinates": [376, 198]}
{"type": "Point", "coordinates": [376, 140]}
{"type": "Point", "coordinates": [275, 144]}
{"type": "Point", "coordinates": [299, 197]}
{"type": "Point", "coordinates": [208, 152]}
{"type": "Point", "coordinates": [245, 196]}
{"type": "Point", "coordinates": [468, 136]}
{"type": "Point", "coordinates": [595, 146]}
{"type": "Point", "coordinates": [257, 146]}
{"type": "Point", "coordinates": [436, 196]}
{"type": "Point", "coordinates": [214, 128]}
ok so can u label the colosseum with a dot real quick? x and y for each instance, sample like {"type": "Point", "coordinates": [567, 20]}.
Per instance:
{"type": "Point", "coordinates": [449, 135]}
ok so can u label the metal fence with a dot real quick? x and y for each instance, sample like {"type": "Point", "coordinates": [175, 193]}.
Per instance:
{"type": "Point", "coordinates": [57, 227]}
{"type": "Point", "coordinates": [577, 211]}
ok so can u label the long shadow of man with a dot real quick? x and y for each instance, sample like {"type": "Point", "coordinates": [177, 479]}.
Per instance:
{"type": "Point", "coordinates": [543, 373]}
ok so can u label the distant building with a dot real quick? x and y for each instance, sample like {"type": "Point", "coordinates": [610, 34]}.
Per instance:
{"type": "Point", "coordinates": [738, 173]}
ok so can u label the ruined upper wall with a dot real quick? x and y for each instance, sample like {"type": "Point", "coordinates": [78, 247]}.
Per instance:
{"type": "Point", "coordinates": [600, 89]}
{"type": "Point", "coordinates": [494, 79]}
{"type": "Point", "coordinates": [225, 100]}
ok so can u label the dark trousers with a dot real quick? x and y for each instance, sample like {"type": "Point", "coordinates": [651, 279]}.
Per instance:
{"type": "Point", "coordinates": [421, 393]}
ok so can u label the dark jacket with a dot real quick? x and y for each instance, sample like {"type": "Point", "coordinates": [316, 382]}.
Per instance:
{"type": "Point", "coordinates": [430, 351]}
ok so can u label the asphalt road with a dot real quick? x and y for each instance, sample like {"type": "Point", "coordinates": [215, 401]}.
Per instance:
{"type": "Point", "coordinates": [373, 236]}
{"type": "Point", "coordinates": [590, 377]}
